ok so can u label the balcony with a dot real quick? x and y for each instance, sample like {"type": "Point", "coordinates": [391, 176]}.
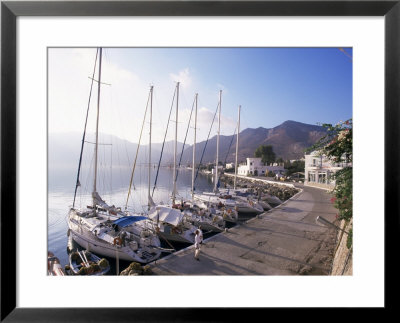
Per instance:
{"type": "Point", "coordinates": [314, 166]}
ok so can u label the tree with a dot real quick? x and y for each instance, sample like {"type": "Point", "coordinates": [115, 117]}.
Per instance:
{"type": "Point", "coordinates": [297, 166]}
{"type": "Point", "coordinates": [266, 153]}
{"type": "Point", "coordinates": [337, 145]}
{"type": "Point", "coordinates": [269, 173]}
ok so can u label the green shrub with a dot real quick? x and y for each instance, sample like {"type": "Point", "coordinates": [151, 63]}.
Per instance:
{"type": "Point", "coordinates": [349, 243]}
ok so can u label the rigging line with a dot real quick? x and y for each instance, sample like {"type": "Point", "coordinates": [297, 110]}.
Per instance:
{"type": "Point", "coordinates": [119, 118]}
{"type": "Point", "coordinates": [120, 175]}
{"type": "Point", "coordinates": [97, 131]}
{"type": "Point", "coordinates": [100, 173]}
{"type": "Point", "coordinates": [84, 131]}
{"type": "Point", "coordinates": [117, 115]}
{"type": "Point", "coordinates": [227, 153]}
{"type": "Point", "coordinates": [84, 192]}
{"type": "Point", "coordinates": [137, 152]}
{"type": "Point", "coordinates": [105, 173]}
{"type": "Point", "coordinates": [162, 148]}
{"type": "Point", "coordinates": [100, 144]}
{"type": "Point", "coordinates": [111, 176]}
{"type": "Point", "coordinates": [184, 142]}
{"type": "Point", "coordinates": [205, 146]}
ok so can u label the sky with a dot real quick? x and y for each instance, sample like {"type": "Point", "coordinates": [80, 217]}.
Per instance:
{"type": "Point", "coordinates": [272, 85]}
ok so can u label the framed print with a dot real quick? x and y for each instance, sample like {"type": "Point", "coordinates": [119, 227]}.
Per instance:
{"type": "Point", "coordinates": [44, 43]}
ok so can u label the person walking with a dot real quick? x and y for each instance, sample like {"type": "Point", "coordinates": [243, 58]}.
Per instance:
{"type": "Point", "coordinates": [197, 241]}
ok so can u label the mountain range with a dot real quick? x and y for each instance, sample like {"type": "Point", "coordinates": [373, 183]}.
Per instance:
{"type": "Point", "coordinates": [289, 140]}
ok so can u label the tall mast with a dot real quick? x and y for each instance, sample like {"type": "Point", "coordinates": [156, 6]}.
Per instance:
{"type": "Point", "coordinates": [97, 130]}
{"type": "Point", "coordinates": [194, 146]}
{"type": "Point", "coordinates": [219, 128]}
{"type": "Point", "coordinates": [237, 148]}
{"type": "Point", "coordinates": [151, 117]}
{"type": "Point", "coordinates": [84, 131]}
{"type": "Point", "coordinates": [137, 150]}
{"type": "Point", "coordinates": [176, 143]}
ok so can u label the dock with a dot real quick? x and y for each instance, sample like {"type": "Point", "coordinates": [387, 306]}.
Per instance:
{"type": "Point", "coordinates": [286, 240]}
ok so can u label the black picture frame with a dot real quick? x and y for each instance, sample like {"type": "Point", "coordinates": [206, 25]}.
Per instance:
{"type": "Point", "coordinates": [10, 10]}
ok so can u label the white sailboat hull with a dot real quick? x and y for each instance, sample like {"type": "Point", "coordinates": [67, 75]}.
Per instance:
{"type": "Point", "coordinates": [257, 207]}
{"type": "Point", "coordinates": [265, 205]}
{"type": "Point", "coordinates": [181, 238]}
{"type": "Point", "coordinates": [272, 199]}
{"type": "Point", "coordinates": [248, 206]}
{"type": "Point", "coordinates": [88, 240]}
{"type": "Point", "coordinates": [241, 207]}
{"type": "Point", "coordinates": [205, 225]}
{"type": "Point", "coordinates": [106, 250]}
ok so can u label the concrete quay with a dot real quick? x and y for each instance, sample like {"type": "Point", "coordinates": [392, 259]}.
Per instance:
{"type": "Point", "coordinates": [284, 241]}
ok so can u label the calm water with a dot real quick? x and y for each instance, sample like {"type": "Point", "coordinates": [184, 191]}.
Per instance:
{"type": "Point", "coordinates": [113, 187]}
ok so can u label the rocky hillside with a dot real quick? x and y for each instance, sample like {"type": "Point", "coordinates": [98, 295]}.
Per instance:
{"type": "Point", "coordinates": [289, 140]}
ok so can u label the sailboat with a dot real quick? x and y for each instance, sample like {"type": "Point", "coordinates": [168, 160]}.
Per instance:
{"type": "Point", "coordinates": [197, 213]}
{"type": "Point", "coordinates": [171, 225]}
{"type": "Point", "coordinates": [169, 222]}
{"type": "Point", "coordinates": [246, 195]}
{"type": "Point", "coordinates": [106, 230]}
{"type": "Point", "coordinates": [256, 205]}
{"type": "Point", "coordinates": [224, 200]}
{"type": "Point", "coordinates": [210, 218]}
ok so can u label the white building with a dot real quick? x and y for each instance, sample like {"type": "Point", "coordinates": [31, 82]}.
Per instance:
{"type": "Point", "coordinates": [220, 169]}
{"type": "Point", "coordinates": [230, 166]}
{"type": "Point", "coordinates": [254, 166]}
{"type": "Point", "coordinates": [319, 170]}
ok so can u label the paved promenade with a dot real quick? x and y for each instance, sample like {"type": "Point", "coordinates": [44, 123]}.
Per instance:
{"type": "Point", "coordinates": [284, 241]}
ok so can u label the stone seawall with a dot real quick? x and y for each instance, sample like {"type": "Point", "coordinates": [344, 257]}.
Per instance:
{"type": "Point", "coordinates": [343, 259]}
{"type": "Point", "coordinates": [257, 179]}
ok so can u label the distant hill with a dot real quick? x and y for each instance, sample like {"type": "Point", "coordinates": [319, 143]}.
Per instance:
{"type": "Point", "coordinates": [289, 140]}
{"type": "Point", "coordinates": [64, 149]}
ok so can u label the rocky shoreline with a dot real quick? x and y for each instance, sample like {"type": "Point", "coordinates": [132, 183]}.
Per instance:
{"type": "Point", "coordinates": [283, 192]}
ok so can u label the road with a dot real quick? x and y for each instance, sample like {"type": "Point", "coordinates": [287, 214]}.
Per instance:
{"type": "Point", "coordinates": [284, 241]}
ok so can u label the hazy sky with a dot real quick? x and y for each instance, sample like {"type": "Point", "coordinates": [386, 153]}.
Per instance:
{"type": "Point", "coordinates": [310, 85]}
